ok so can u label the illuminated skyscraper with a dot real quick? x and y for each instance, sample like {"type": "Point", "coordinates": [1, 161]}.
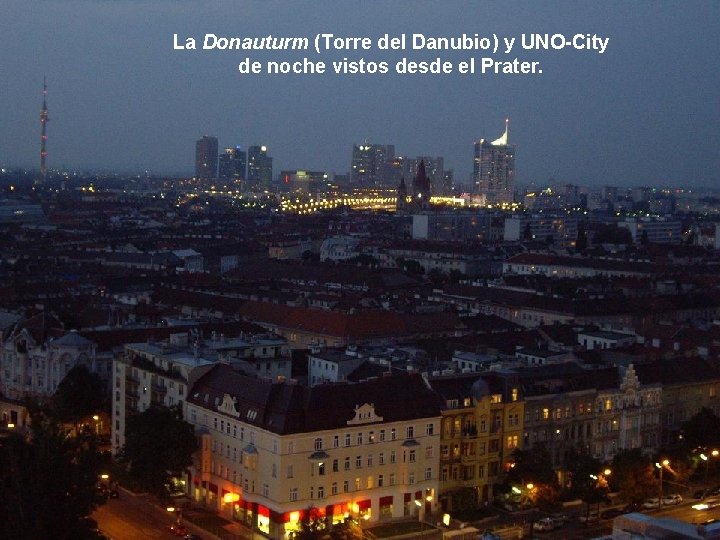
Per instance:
{"type": "Point", "coordinates": [259, 170]}
{"type": "Point", "coordinates": [369, 164]}
{"type": "Point", "coordinates": [43, 135]}
{"type": "Point", "coordinates": [494, 169]}
{"type": "Point", "coordinates": [206, 158]}
{"type": "Point", "coordinates": [232, 165]}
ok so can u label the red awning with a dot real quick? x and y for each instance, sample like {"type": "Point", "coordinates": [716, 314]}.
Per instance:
{"type": "Point", "coordinates": [386, 501]}
{"type": "Point", "coordinates": [407, 497]}
{"type": "Point", "coordinates": [364, 505]}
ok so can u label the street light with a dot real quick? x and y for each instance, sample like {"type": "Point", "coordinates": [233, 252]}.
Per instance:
{"type": "Point", "coordinates": [664, 463]}
{"type": "Point", "coordinates": [419, 504]}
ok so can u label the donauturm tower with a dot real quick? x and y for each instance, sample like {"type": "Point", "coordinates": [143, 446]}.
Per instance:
{"type": "Point", "coordinates": [43, 134]}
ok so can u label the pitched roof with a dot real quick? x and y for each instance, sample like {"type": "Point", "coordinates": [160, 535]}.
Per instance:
{"type": "Point", "coordinates": [289, 408]}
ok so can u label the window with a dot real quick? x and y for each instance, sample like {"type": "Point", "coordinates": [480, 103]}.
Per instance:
{"type": "Point", "coordinates": [360, 438]}
{"type": "Point", "coordinates": [514, 394]}
{"type": "Point", "coordinates": [429, 429]}
{"type": "Point", "coordinates": [371, 437]}
{"type": "Point", "coordinates": [369, 482]}
{"type": "Point", "coordinates": [392, 479]}
{"type": "Point", "coordinates": [335, 466]}
{"type": "Point", "coordinates": [274, 470]}
{"type": "Point", "coordinates": [289, 471]}
{"type": "Point", "coordinates": [347, 439]}
{"type": "Point", "coordinates": [381, 458]}
{"type": "Point", "coordinates": [321, 492]}
{"type": "Point", "coordinates": [333, 488]}
{"type": "Point", "coordinates": [409, 432]}
{"type": "Point", "coordinates": [392, 457]}
{"type": "Point", "coordinates": [357, 484]}
{"type": "Point", "coordinates": [392, 434]}
{"type": "Point", "coordinates": [347, 463]}
{"type": "Point", "coordinates": [336, 441]}
{"type": "Point", "coordinates": [265, 490]}
{"type": "Point", "coordinates": [346, 486]}
{"type": "Point", "coordinates": [412, 456]}
{"type": "Point", "coordinates": [512, 441]}
{"type": "Point", "coordinates": [291, 444]}
{"type": "Point", "coordinates": [293, 494]}
{"type": "Point", "coordinates": [321, 469]}
{"type": "Point", "coordinates": [411, 478]}
{"type": "Point", "coordinates": [382, 435]}
{"type": "Point", "coordinates": [358, 462]}
{"type": "Point", "coordinates": [428, 473]}
{"type": "Point", "coordinates": [546, 414]}
{"type": "Point", "coordinates": [370, 460]}
{"type": "Point", "coordinates": [318, 444]}
{"type": "Point", "coordinates": [496, 398]}
{"type": "Point", "coordinates": [428, 452]}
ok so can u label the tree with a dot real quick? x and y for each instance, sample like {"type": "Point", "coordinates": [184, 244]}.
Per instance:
{"type": "Point", "coordinates": [633, 475]}
{"type": "Point", "coordinates": [159, 445]}
{"type": "Point", "coordinates": [315, 527]}
{"type": "Point", "coordinates": [703, 429]}
{"type": "Point", "coordinates": [644, 240]}
{"type": "Point", "coordinates": [527, 233]}
{"type": "Point", "coordinates": [79, 395]}
{"type": "Point", "coordinates": [48, 482]}
{"type": "Point", "coordinates": [612, 234]}
{"type": "Point", "coordinates": [437, 277]}
{"type": "Point", "coordinates": [532, 466]}
{"type": "Point", "coordinates": [581, 241]}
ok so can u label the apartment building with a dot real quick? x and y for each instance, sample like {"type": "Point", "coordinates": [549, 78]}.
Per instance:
{"type": "Point", "coordinates": [272, 450]}
{"type": "Point", "coordinates": [482, 424]}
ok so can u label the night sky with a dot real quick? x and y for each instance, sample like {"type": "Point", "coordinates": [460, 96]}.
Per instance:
{"type": "Point", "coordinates": [646, 112]}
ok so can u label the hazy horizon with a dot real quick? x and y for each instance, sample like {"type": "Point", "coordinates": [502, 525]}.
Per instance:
{"type": "Point", "coordinates": [645, 112]}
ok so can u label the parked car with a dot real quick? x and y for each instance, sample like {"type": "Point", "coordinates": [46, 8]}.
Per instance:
{"type": "Point", "coordinates": [702, 493]}
{"type": "Point", "coordinates": [588, 517]}
{"type": "Point", "coordinates": [488, 535]}
{"type": "Point", "coordinates": [651, 503]}
{"type": "Point", "coordinates": [631, 507]}
{"type": "Point", "coordinates": [559, 519]}
{"type": "Point", "coordinates": [611, 513]}
{"type": "Point", "coordinates": [672, 499]}
{"type": "Point", "coordinates": [544, 524]}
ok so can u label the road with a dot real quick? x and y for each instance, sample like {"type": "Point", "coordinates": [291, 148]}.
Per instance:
{"type": "Point", "coordinates": [132, 517]}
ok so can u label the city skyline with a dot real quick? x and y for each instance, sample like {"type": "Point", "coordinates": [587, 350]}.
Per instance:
{"type": "Point", "coordinates": [134, 104]}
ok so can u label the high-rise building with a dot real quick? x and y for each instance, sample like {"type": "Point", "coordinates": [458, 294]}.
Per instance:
{"type": "Point", "coordinates": [206, 158]}
{"type": "Point", "coordinates": [494, 169]}
{"type": "Point", "coordinates": [259, 170]}
{"type": "Point", "coordinates": [232, 165]}
{"type": "Point", "coordinates": [368, 165]}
